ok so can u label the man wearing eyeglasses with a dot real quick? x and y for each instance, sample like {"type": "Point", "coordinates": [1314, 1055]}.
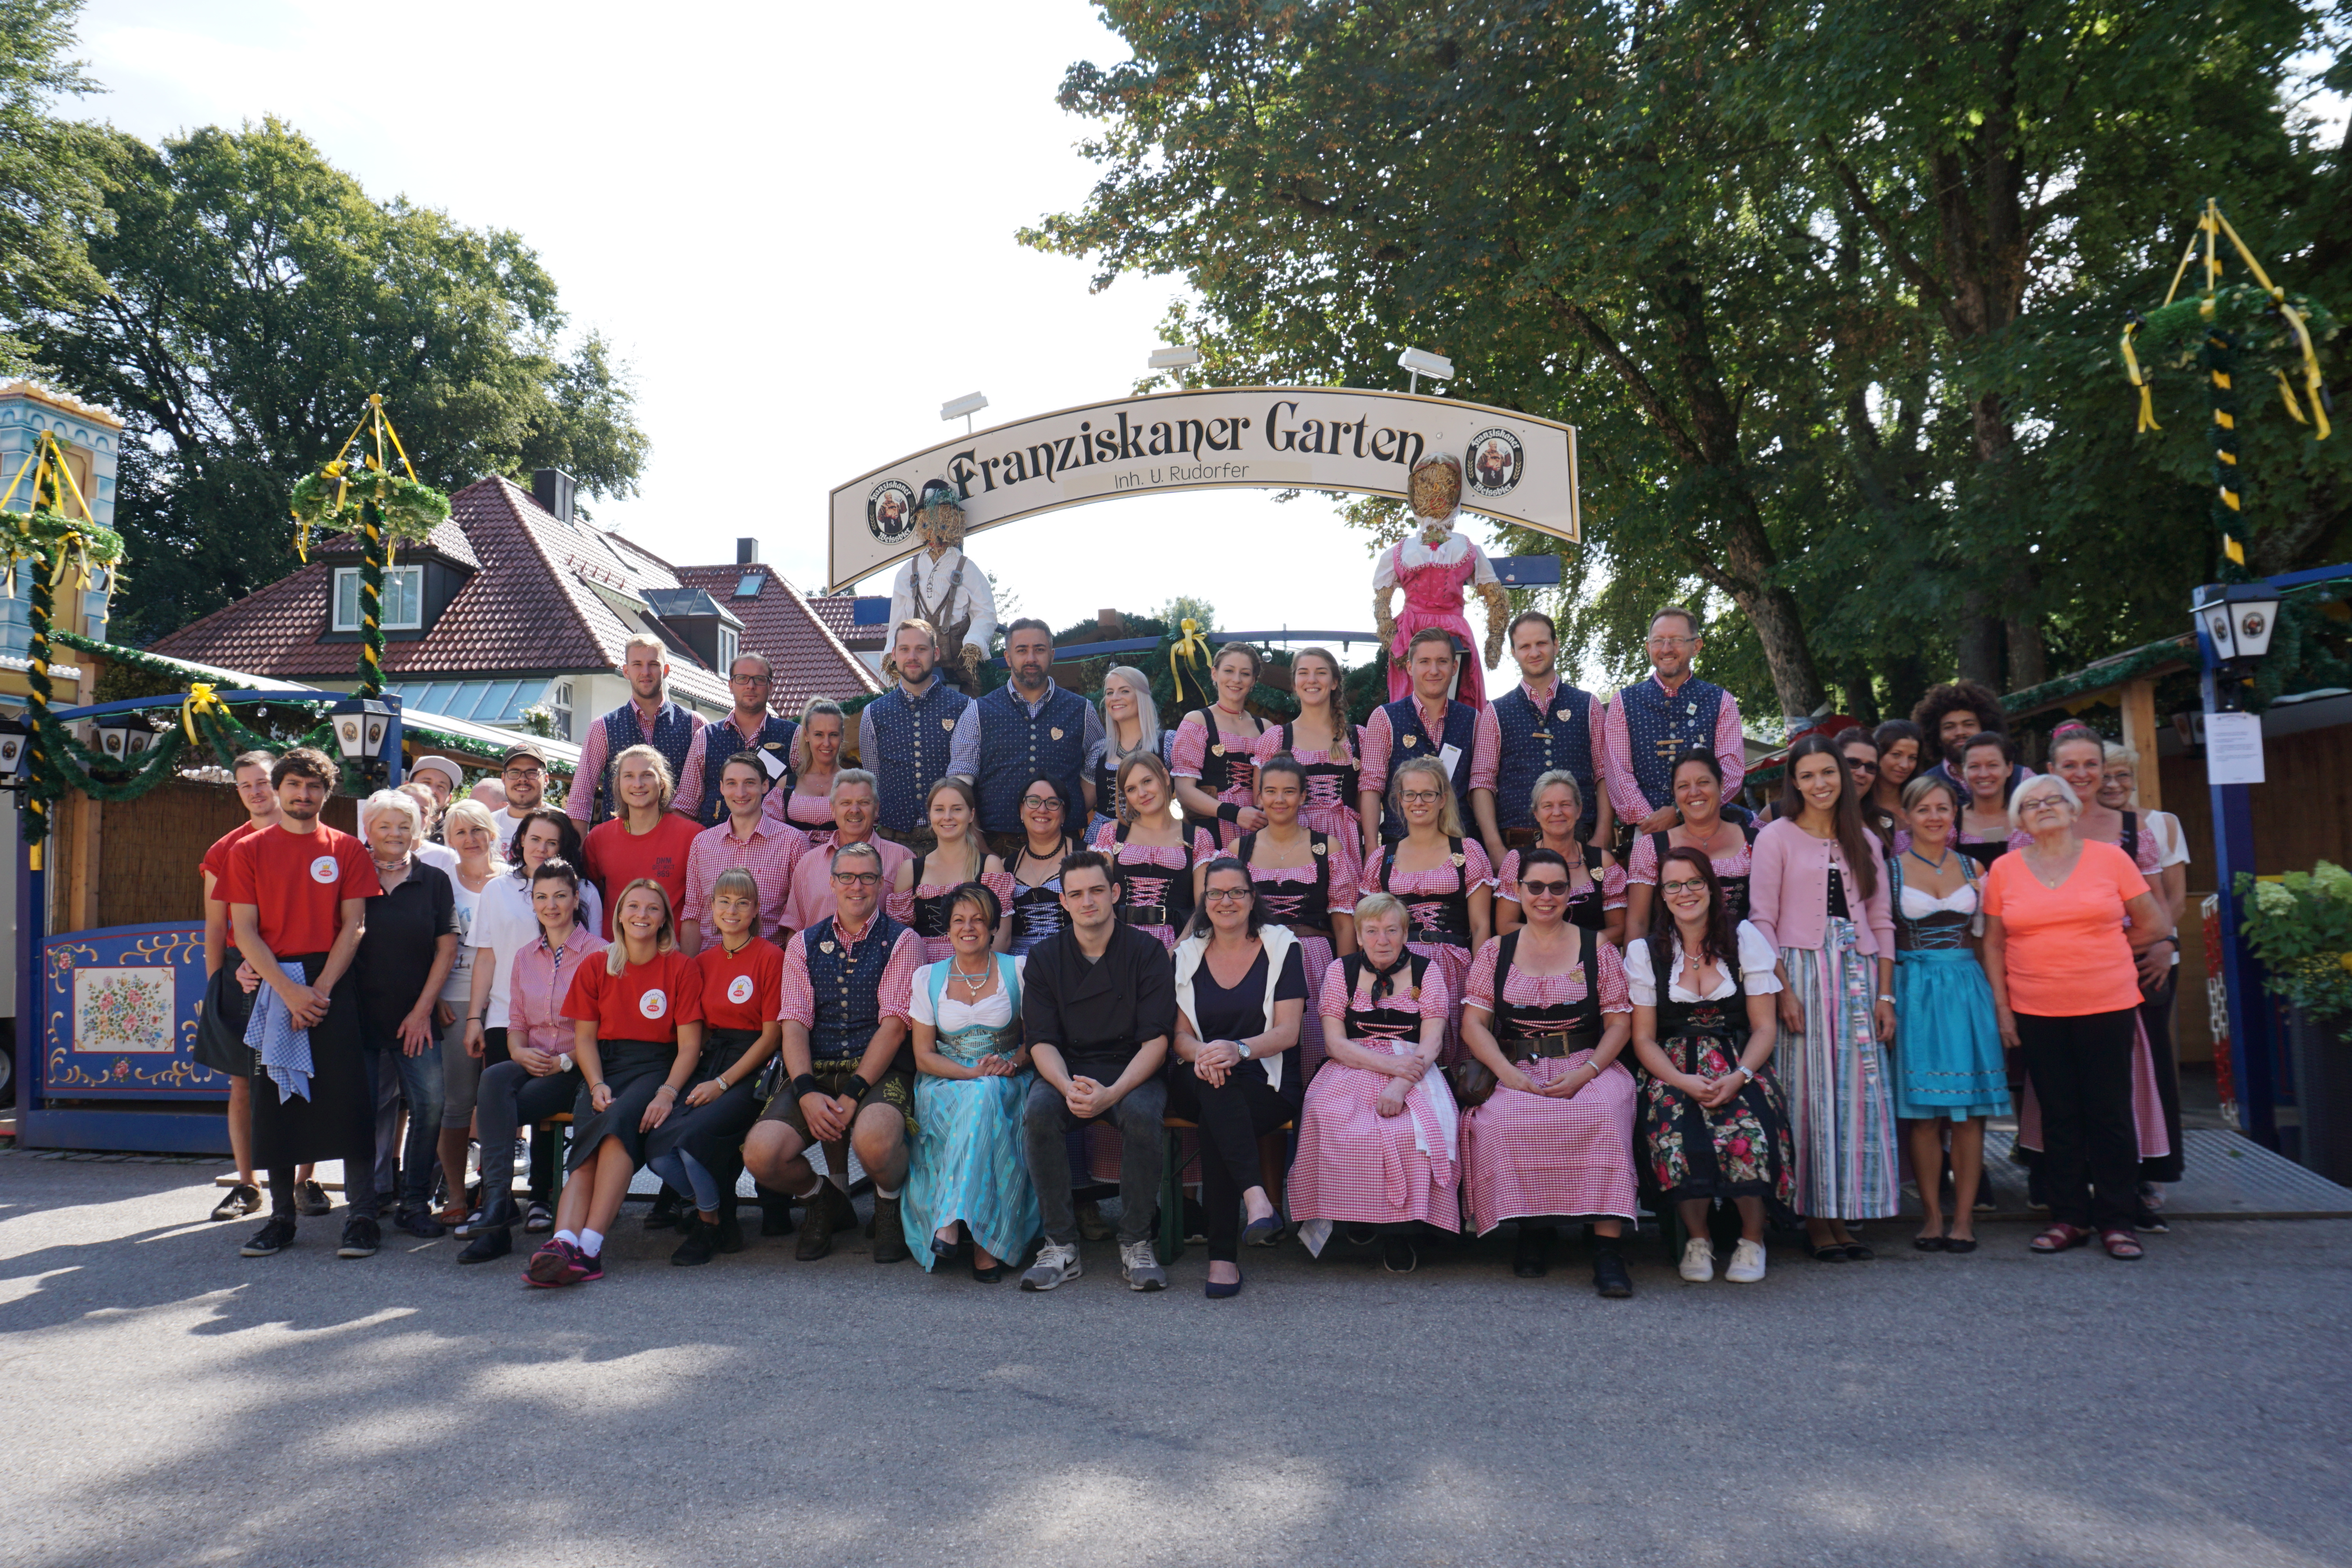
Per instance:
{"type": "Point", "coordinates": [750, 726]}
{"type": "Point", "coordinates": [1651, 724]}
{"type": "Point", "coordinates": [848, 1067]}
{"type": "Point", "coordinates": [855, 804]}
{"type": "Point", "coordinates": [523, 775]}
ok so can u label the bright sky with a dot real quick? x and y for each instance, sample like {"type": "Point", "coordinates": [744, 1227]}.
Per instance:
{"type": "Point", "coordinates": [800, 237]}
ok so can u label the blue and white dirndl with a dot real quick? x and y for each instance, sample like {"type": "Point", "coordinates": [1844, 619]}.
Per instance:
{"type": "Point", "coordinates": [1841, 1112]}
{"type": "Point", "coordinates": [968, 1162]}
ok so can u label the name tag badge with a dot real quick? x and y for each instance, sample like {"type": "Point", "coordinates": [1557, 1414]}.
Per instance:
{"type": "Point", "coordinates": [1450, 756]}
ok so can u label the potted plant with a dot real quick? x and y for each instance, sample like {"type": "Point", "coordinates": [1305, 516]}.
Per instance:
{"type": "Point", "coordinates": [2300, 926]}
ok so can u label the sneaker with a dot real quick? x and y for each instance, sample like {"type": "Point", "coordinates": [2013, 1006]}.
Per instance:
{"type": "Point", "coordinates": [1747, 1263]}
{"type": "Point", "coordinates": [552, 1264]}
{"type": "Point", "coordinates": [490, 1241]}
{"type": "Point", "coordinates": [1698, 1260]}
{"type": "Point", "coordinates": [667, 1213]}
{"type": "Point", "coordinates": [417, 1220]}
{"type": "Point", "coordinates": [240, 1201]}
{"type": "Point", "coordinates": [1054, 1265]}
{"type": "Point", "coordinates": [270, 1240]}
{"type": "Point", "coordinates": [730, 1232]}
{"type": "Point", "coordinates": [538, 1219]}
{"type": "Point", "coordinates": [361, 1236]}
{"type": "Point", "coordinates": [586, 1269]}
{"type": "Point", "coordinates": [700, 1245]}
{"type": "Point", "coordinates": [1609, 1278]}
{"type": "Point", "coordinates": [1140, 1266]}
{"type": "Point", "coordinates": [1092, 1226]}
{"type": "Point", "coordinates": [310, 1200]}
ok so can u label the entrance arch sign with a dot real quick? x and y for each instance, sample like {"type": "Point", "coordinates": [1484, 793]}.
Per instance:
{"type": "Point", "coordinates": [1515, 467]}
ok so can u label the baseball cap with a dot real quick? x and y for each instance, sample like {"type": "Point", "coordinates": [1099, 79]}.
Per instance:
{"type": "Point", "coordinates": [524, 752]}
{"type": "Point", "coordinates": [442, 765]}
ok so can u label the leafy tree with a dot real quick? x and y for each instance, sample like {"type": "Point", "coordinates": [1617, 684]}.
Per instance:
{"type": "Point", "coordinates": [256, 297]}
{"type": "Point", "coordinates": [54, 171]}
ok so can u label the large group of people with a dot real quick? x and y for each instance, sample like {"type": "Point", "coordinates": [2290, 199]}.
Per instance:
{"type": "Point", "coordinates": [1468, 964]}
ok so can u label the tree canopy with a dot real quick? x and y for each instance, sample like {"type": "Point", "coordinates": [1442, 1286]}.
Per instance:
{"type": "Point", "coordinates": [1832, 291]}
{"type": "Point", "coordinates": [253, 296]}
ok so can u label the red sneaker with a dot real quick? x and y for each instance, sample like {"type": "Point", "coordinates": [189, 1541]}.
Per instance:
{"type": "Point", "coordinates": [555, 1263]}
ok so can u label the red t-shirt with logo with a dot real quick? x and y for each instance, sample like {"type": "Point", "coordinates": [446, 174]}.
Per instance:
{"type": "Point", "coordinates": [216, 858]}
{"type": "Point", "coordinates": [617, 856]}
{"type": "Point", "coordinates": [743, 990]}
{"type": "Point", "coordinates": [643, 1001]}
{"type": "Point", "coordinates": [297, 883]}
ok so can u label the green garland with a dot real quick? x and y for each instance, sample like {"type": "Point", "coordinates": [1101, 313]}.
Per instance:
{"type": "Point", "coordinates": [385, 510]}
{"type": "Point", "coordinates": [46, 543]}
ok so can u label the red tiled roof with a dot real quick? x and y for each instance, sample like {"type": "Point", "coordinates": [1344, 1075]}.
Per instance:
{"type": "Point", "coordinates": [837, 611]}
{"type": "Point", "coordinates": [788, 627]}
{"type": "Point", "coordinates": [548, 597]}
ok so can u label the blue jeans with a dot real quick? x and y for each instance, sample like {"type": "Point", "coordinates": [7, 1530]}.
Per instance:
{"type": "Point", "coordinates": [419, 1080]}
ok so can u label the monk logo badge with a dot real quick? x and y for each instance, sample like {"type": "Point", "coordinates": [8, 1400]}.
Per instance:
{"type": "Point", "coordinates": [890, 511]}
{"type": "Point", "coordinates": [1496, 463]}
{"type": "Point", "coordinates": [654, 1004]}
{"type": "Point", "coordinates": [324, 870]}
{"type": "Point", "coordinates": [739, 990]}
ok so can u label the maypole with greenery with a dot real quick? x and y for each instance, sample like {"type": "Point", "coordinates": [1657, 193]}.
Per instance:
{"type": "Point", "coordinates": [356, 489]}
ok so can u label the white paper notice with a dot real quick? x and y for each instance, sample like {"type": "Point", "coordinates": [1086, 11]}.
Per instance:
{"type": "Point", "coordinates": [2234, 748]}
{"type": "Point", "coordinates": [1449, 756]}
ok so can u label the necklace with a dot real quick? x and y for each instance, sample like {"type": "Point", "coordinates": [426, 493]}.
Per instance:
{"type": "Point", "coordinates": [973, 982]}
{"type": "Point", "coordinates": [1934, 866]}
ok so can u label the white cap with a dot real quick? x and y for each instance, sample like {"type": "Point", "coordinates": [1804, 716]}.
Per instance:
{"type": "Point", "coordinates": [442, 765]}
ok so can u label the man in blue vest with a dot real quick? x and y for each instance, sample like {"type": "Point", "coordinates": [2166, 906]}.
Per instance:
{"type": "Point", "coordinates": [1541, 724]}
{"type": "Point", "coordinates": [751, 726]}
{"type": "Point", "coordinates": [906, 737]}
{"type": "Point", "coordinates": [648, 719]}
{"type": "Point", "coordinates": [1654, 722]}
{"type": "Point", "coordinates": [1021, 731]}
{"type": "Point", "coordinates": [1429, 723]}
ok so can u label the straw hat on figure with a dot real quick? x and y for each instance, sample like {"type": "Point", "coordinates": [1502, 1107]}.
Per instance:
{"type": "Point", "coordinates": [944, 587]}
{"type": "Point", "coordinates": [1432, 564]}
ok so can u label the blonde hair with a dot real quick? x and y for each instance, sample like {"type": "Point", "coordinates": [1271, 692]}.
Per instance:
{"type": "Point", "coordinates": [818, 708]}
{"type": "Point", "coordinates": [616, 957]}
{"type": "Point", "coordinates": [1558, 777]}
{"type": "Point", "coordinates": [661, 772]}
{"type": "Point", "coordinates": [1147, 714]}
{"type": "Point", "coordinates": [644, 640]}
{"type": "Point", "coordinates": [739, 880]}
{"type": "Point", "coordinates": [1379, 907]}
{"type": "Point", "coordinates": [1159, 769]}
{"type": "Point", "coordinates": [2119, 753]}
{"type": "Point", "coordinates": [468, 809]}
{"type": "Point", "coordinates": [1449, 810]}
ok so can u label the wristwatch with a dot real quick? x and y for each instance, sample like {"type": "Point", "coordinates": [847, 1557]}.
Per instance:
{"type": "Point", "coordinates": [1743, 1070]}
{"type": "Point", "coordinates": [1242, 1047]}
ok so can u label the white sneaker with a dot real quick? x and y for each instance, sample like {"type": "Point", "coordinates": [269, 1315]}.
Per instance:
{"type": "Point", "coordinates": [1747, 1263]}
{"type": "Point", "coordinates": [1698, 1260]}
{"type": "Point", "coordinates": [1140, 1265]}
{"type": "Point", "coordinates": [1054, 1265]}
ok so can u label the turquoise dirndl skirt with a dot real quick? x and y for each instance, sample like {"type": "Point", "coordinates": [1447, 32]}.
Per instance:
{"type": "Point", "coordinates": [1947, 1054]}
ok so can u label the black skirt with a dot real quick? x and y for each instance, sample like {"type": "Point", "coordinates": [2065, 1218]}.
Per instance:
{"type": "Point", "coordinates": [633, 1072]}
{"type": "Point", "coordinates": [337, 1119]}
{"type": "Point", "coordinates": [220, 1033]}
{"type": "Point", "coordinates": [713, 1133]}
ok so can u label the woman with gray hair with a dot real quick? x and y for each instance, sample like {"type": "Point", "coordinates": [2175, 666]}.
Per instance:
{"type": "Point", "coordinates": [804, 798]}
{"type": "Point", "coordinates": [405, 956]}
{"type": "Point", "coordinates": [2063, 917]}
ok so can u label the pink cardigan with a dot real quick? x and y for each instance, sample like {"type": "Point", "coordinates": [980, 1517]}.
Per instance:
{"type": "Point", "coordinates": [1789, 891]}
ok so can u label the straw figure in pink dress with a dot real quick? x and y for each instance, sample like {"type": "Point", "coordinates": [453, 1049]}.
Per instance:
{"type": "Point", "coordinates": [1433, 565]}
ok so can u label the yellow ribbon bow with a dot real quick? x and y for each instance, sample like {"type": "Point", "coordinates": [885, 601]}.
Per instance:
{"type": "Point", "coordinates": [201, 699]}
{"type": "Point", "coordinates": [1192, 645]}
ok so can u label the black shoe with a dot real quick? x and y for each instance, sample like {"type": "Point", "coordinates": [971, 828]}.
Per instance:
{"type": "Point", "coordinates": [361, 1236]}
{"type": "Point", "coordinates": [419, 1221]}
{"type": "Point", "coordinates": [310, 1200]}
{"type": "Point", "coordinates": [240, 1201]}
{"type": "Point", "coordinates": [730, 1232]}
{"type": "Point", "coordinates": [816, 1225]}
{"type": "Point", "coordinates": [837, 1206]}
{"type": "Point", "coordinates": [701, 1246]}
{"type": "Point", "coordinates": [1609, 1276]}
{"type": "Point", "coordinates": [890, 1232]}
{"type": "Point", "coordinates": [776, 1215]}
{"type": "Point", "coordinates": [667, 1213]}
{"type": "Point", "coordinates": [490, 1242]}
{"type": "Point", "coordinates": [270, 1240]}
{"type": "Point", "coordinates": [1533, 1258]}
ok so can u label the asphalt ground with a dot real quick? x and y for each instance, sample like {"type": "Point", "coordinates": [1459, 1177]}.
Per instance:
{"type": "Point", "coordinates": [169, 1403]}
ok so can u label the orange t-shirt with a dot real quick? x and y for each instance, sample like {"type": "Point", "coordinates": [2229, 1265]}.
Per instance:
{"type": "Point", "coordinates": [2066, 954]}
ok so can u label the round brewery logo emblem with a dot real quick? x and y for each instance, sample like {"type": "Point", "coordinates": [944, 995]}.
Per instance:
{"type": "Point", "coordinates": [739, 990]}
{"type": "Point", "coordinates": [324, 870]}
{"type": "Point", "coordinates": [653, 1004]}
{"type": "Point", "coordinates": [890, 511]}
{"type": "Point", "coordinates": [1495, 462]}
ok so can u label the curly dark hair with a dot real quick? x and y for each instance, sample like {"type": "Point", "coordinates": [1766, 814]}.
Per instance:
{"type": "Point", "coordinates": [1954, 697]}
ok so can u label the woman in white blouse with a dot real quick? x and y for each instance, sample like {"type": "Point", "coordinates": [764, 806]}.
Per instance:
{"type": "Point", "coordinates": [1714, 1124]}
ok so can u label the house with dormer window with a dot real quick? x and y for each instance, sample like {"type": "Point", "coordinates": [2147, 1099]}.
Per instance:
{"type": "Point", "coordinates": [515, 602]}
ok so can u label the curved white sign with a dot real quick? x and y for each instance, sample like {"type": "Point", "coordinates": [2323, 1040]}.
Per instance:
{"type": "Point", "coordinates": [1516, 467]}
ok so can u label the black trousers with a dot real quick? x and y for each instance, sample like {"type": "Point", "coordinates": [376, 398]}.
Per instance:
{"type": "Point", "coordinates": [2082, 1073]}
{"type": "Point", "coordinates": [1231, 1117]}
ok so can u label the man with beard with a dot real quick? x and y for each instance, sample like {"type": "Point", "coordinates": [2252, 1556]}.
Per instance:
{"type": "Point", "coordinates": [1020, 731]}
{"type": "Point", "coordinates": [751, 726]}
{"type": "Point", "coordinates": [907, 735]}
{"type": "Point", "coordinates": [1652, 723]}
{"type": "Point", "coordinates": [648, 719]}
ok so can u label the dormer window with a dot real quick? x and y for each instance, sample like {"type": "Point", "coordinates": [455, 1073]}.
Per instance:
{"type": "Point", "coordinates": [404, 599]}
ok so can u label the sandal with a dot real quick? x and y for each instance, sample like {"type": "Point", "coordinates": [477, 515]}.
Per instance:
{"type": "Point", "coordinates": [2122, 1244]}
{"type": "Point", "coordinates": [1829, 1252]}
{"type": "Point", "coordinates": [2060, 1237]}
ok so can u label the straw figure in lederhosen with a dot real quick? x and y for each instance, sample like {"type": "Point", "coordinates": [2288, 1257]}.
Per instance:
{"type": "Point", "coordinates": [945, 587]}
{"type": "Point", "coordinates": [1432, 565]}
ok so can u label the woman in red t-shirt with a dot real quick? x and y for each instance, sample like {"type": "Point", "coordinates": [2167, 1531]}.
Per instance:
{"type": "Point", "coordinates": [700, 1150]}
{"type": "Point", "coordinates": [636, 1036]}
{"type": "Point", "coordinates": [646, 840]}
{"type": "Point", "coordinates": [2064, 916]}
